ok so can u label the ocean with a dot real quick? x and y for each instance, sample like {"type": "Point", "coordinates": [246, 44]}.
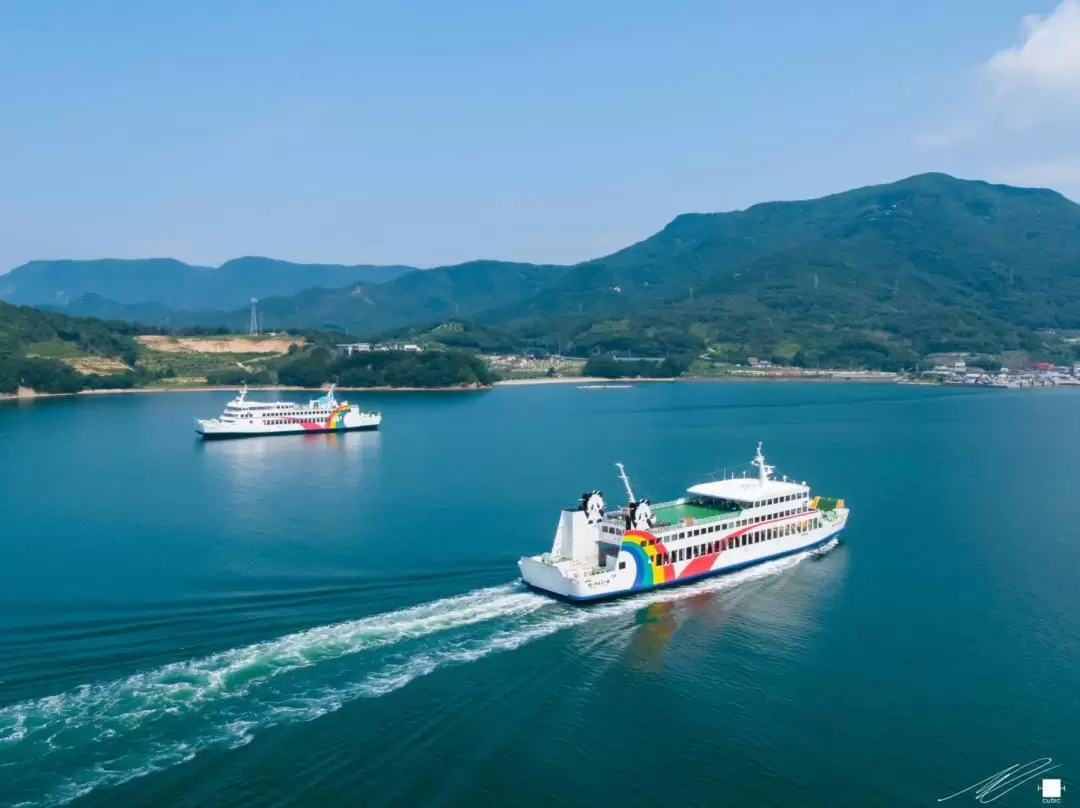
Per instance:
{"type": "Point", "coordinates": [325, 620]}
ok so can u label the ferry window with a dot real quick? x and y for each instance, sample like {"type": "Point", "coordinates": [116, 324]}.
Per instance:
{"type": "Point", "coordinates": [622, 565]}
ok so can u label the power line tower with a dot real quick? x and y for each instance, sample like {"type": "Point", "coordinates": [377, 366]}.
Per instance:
{"type": "Point", "coordinates": [254, 317]}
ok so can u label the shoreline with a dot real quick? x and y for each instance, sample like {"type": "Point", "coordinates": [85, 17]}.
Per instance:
{"type": "Point", "coordinates": [26, 394]}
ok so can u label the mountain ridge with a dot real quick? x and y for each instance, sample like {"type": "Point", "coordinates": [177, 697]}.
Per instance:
{"type": "Point", "coordinates": [881, 274]}
{"type": "Point", "coordinates": [175, 284]}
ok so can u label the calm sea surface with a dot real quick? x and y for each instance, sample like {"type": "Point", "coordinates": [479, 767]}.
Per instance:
{"type": "Point", "coordinates": [336, 620]}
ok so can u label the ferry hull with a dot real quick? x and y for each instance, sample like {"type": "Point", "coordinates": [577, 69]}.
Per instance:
{"type": "Point", "coordinates": [721, 526]}
{"type": "Point", "coordinates": [320, 431]}
{"type": "Point", "coordinates": [552, 588]}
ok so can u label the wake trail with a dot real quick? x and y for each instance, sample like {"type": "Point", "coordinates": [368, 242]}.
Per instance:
{"type": "Point", "coordinates": [105, 734]}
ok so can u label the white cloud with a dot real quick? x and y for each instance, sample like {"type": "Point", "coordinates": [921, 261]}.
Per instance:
{"type": "Point", "coordinates": [1045, 66]}
{"type": "Point", "coordinates": [1032, 85]}
{"type": "Point", "coordinates": [1018, 121]}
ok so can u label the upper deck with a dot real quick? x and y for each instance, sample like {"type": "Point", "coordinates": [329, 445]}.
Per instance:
{"type": "Point", "coordinates": [733, 502]}
{"type": "Point", "coordinates": [748, 489]}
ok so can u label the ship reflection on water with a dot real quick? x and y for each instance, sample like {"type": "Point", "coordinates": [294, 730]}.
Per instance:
{"type": "Point", "coordinates": [244, 462]}
{"type": "Point", "coordinates": [281, 446]}
{"type": "Point", "coordinates": [658, 623]}
{"type": "Point", "coordinates": [782, 606]}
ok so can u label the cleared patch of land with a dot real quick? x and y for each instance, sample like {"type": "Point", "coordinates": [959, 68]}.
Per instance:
{"type": "Point", "coordinates": [99, 365]}
{"type": "Point", "coordinates": [227, 345]}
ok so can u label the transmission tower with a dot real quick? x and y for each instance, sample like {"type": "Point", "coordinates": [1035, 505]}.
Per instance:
{"type": "Point", "coordinates": [254, 317]}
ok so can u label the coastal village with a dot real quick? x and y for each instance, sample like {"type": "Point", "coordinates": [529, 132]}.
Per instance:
{"type": "Point", "coordinates": [949, 369]}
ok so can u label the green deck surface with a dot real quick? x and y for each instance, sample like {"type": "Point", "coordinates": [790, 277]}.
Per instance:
{"type": "Point", "coordinates": [673, 513]}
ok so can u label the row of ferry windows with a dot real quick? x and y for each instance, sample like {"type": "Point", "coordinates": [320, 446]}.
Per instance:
{"type": "Point", "coordinates": [778, 500]}
{"type": "Point", "coordinates": [725, 526]}
{"type": "Point", "coordinates": [736, 505]}
{"type": "Point", "coordinates": [746, 539]}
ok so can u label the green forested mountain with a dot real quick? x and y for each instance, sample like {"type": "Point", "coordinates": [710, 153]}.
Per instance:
{"type": "Point", "coordinates": [171, 284]}
{"type": "Point", "coordinates": [876, 276]}
{"type": "Point", "coordinates": [30, 340]}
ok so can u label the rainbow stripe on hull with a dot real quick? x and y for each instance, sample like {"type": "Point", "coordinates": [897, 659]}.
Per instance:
{"type": "Point", "coordinates": [683, 579]}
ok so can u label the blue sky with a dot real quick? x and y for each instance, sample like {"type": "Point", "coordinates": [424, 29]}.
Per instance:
{"type": "Point", "coordinates": [431, 133]}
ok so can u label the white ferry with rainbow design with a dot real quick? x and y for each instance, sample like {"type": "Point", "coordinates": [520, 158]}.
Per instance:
{"type": "Point", "coordinates": [243, 418]}
{"type": "Point", "coordinates": [718, 527]}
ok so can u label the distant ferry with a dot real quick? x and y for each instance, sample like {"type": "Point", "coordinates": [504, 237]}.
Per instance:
{"type": "Point", "coordinates": [719, 527]}
{"type": "Point", "coordinates": [243, 418]}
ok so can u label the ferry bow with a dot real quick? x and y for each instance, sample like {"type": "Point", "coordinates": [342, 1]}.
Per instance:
{"type": "Point", "coordinates": [716, 527]}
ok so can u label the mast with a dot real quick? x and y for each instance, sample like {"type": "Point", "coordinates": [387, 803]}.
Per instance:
{"type": "Point", "coordinates": [764, 470]}
{"type": "Point", "coordinates": [626, 483]}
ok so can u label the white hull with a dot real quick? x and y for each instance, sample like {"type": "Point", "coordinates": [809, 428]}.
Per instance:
{"type": "Point", "coordinates": [352, 421]}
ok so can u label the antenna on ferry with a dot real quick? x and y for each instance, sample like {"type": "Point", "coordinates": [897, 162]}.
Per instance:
{"type": "Point", "coordinates": [626, 483]}
{"type": "Point", "coordinates": [243, 392]}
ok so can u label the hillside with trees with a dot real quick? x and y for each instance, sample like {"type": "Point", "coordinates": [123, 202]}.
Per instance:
{"type": "Point", "coordinates": [32, 343]}
{"type": "Point", "coordinates": [430, 369]}
{"type": "Point", "coordinates": [875, 277]}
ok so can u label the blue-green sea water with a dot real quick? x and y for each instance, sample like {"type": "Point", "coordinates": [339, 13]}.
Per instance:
{"type": "Point", "coordinates": [337, 620]}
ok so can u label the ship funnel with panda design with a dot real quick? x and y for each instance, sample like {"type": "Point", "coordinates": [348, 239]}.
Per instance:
{"type": "Point", "coordinates": [716, 527]}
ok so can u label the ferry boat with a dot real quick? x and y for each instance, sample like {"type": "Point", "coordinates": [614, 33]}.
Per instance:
{"type": "Point", "coordinates": [717, 527]}
{"type": "Point", "coordinates": [243, 418]}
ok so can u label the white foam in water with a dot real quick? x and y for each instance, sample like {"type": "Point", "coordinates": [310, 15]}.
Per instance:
{"type": "Point", "coordinates": [117, 711]}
